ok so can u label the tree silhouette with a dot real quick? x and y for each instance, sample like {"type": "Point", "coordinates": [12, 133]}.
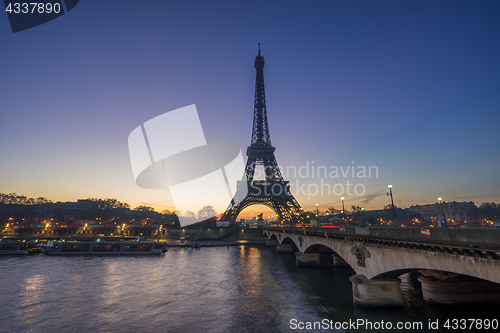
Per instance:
{"type": "Point", "coordinates": [333, 211]}
{"type": "Point", "coordinates": [206, 212]}
{"type": "Point", "coordinates": [143, 208]}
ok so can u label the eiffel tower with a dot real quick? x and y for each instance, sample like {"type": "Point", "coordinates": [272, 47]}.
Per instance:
{"type": "Point", "coordinates": [273, 191]}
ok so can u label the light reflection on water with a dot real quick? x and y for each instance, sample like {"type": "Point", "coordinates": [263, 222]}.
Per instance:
{"type": "Point", "coordinates": [236, 289]}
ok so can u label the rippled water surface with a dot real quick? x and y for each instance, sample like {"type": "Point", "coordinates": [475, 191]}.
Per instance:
{"type": "Point", "coordinates": [235, 289]}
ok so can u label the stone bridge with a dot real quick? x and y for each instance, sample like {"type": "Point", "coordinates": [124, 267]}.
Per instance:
{"type": "Point", "coordinates": [458, 265]}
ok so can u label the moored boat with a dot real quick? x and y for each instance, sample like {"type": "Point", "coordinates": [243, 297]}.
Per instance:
{"type": "Point", "coordinates": [106, 248]}
{"type": "Point", "coordinates": [18, 247]}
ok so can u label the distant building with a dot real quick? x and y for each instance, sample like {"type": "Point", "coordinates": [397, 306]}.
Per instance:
{"type": "Point", "coordinates": [456, 211]}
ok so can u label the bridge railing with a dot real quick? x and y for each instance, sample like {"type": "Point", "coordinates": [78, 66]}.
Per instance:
{"type": "Point", "coordinates": [463, 236]}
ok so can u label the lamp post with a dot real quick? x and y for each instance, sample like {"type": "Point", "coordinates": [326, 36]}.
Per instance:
{"type": "Point", "coordinates": [442, 211]}
{"type": "Point", "coordinates": [159, 233]}
{"type": "Point", "coordinates": [343, 210]}
{"type": "Point", "coordinates": [392, 203]}
{"type": "Point", "coordinates": [317, 215]}
{"type": "Point", "coordinates": [364, 217]}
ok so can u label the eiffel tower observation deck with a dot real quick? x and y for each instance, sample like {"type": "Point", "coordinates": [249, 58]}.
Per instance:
{"type": "Point", "coordinates": [271, 191]}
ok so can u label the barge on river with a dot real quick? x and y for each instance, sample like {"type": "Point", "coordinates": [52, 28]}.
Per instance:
{"type": "Point", "coordinates": [18, 247]}
{"type": "Point", "coordinates": [106, 248]}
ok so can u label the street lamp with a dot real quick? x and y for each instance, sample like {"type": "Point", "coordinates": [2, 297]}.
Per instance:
{"type": "Point", "coordinates": [317, 215]}
{"type": "Point", "coordinates": [392, 202]}
{"type": "Point", "coordinates": [364, 217]}
{"type": "Point", "coordinates": [442, 211]}
{"type": "Point", "coordinates": [343, 210]}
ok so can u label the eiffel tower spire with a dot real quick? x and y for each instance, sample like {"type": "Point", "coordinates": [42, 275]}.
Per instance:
{"type": "Point", "coordinates": [261, 152]}
{"type": "Point", "coordinates": [260, 130]}
{"type": "Point", "coordinates": [274, 191]}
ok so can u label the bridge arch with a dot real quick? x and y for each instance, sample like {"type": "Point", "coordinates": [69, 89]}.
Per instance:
{"type": "Point", "coordinates": [394, 274]}
{"type": "Point", "coordinates": [319, 248]}
{"type": "Point", "coordinates": [392, 262]}
{"type": "Point", "coordinates": [288, 240]}
{"type": "Point", "coordinates": [272, 237]}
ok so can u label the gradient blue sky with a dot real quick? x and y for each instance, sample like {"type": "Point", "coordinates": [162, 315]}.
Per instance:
{"type": "Point", "coordinates": [412, 87]}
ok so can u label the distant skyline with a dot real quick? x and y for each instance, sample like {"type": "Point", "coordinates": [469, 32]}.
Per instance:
{"type": "Point", "coordinates": [412, 88]}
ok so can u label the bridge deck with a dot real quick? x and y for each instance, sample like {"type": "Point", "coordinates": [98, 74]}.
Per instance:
{"type": "Point", "coordinates": [469, 238]}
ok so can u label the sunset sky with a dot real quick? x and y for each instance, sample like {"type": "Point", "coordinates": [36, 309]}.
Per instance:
{"type": "Point", "coordinates": [411, 87]}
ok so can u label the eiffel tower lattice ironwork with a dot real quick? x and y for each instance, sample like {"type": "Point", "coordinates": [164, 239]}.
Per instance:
{"type": "Point", "coordinates": [273, 191]}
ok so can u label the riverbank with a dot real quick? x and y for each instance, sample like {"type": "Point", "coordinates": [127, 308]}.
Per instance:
{"type": "Point", "coordinates": [212, 243]}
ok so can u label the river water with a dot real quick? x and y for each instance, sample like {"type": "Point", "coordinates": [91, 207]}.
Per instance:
{"type": "Point", "coordinates": [235, 289]}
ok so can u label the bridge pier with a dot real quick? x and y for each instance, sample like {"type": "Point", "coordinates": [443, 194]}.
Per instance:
{"type": "Point", "coordinates": [284, 248]}
{"type": "Point", "coordinates": [449, 288]}
{"type": "Point", "coordinates": [338, 261]}
{"type": "Point", "coordinates": [272, 242]}
{"type": "Point", "coordinates": [307, 259]}
{"type": "Point", "coordinates": [375, 293]}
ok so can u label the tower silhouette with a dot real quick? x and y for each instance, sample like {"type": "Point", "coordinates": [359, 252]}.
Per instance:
{"type": "Point", "coordinates": [272, 191]}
